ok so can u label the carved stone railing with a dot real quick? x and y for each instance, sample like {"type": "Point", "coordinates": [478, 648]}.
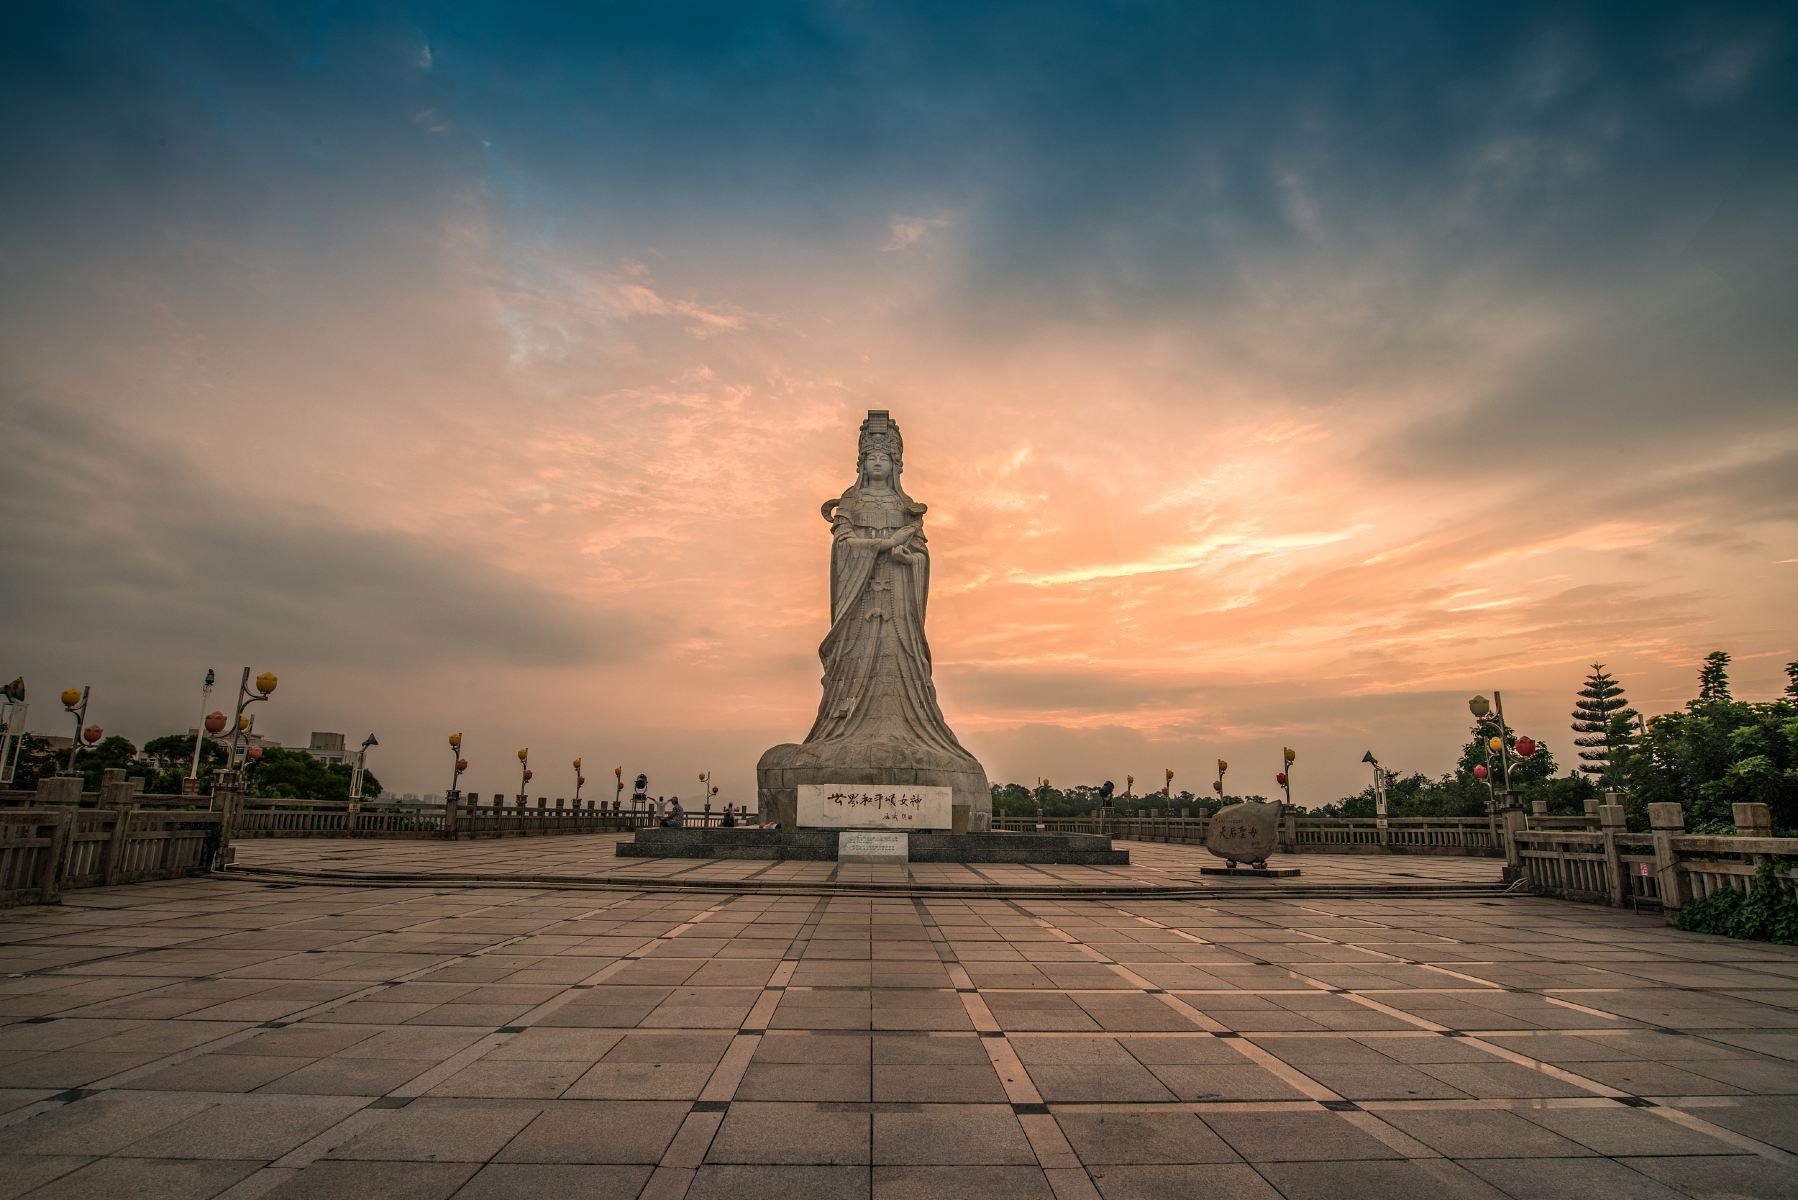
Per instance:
{"type": "Point", "coordinates": [45, 850]}
{"type": "Point", "coordinates": [1300, 834]}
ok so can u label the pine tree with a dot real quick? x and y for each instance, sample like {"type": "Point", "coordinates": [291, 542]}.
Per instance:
{"type": "Point", "coordinates": [1792, 675]}
{"type": "Point", "coordinates": [1713, 678]}
{"type": "Point", "coordinates": [1601, 720]}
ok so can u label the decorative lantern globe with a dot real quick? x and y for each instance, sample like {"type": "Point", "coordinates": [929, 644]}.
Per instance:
{"type": "Point", "coordinates": [1280, 779]}
{"type": "Point", "coordinates": [580, 781]}
{"type": "Point", "coordinates": [1480, 772]}
{"type": "Point", "coordinates": [1526, 746]}
{"type": "Point", "coordinates": [92, 734]}
{"type": "Point", "coordinates": [1495, 744]}
{"type": "Point", "coordinates": [254, 753]}
{"type": "Point", "coordinates": [265, 682]}
{"type": "Point", "coordinates": [1222, 766]}
{"type": "Point", "coordinates": [529, 774]}
{"type": "Point", "coordinates": [243, 722]}
{"type": "Point", "coordinates": [618, 773]}
{"type": "Point", "coordinates": [461, 765]}
{"type": "Point", "coordinates": [577, 764]}
{"type": "Point", "coordinates": [455, 740]}
{"type": "Point", "coordinates": [524, 753]}
{"type": "Point", "coordinates": [71, 697]}
{"type": "Point", "coordinates": [215, 722]}
{"type": "Point", "coordinates": [1291, 754]}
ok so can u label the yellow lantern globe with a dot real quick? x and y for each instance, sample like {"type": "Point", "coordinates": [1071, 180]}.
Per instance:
{"type": "Point", "coordinates": [265, 682]}
{"type": "Point", "coordinates": [1222, 766]}
{"type": "Point", "coordinates": [1291, 754]}
{"type": "Point", "coordinates": [1495, 744]}
{"type": "Point", "coordinates": [243, 722]}
{"type": "Point", "coordinates": [71, 697]}
{"type": "Point", "coordinates": [577, 764]}
{"type": "Point", "coordinates": [618, 772]}
{"type": "Point", "coordinates": [455, 741]}
{"type": "Point", "coordinates": [524, 753]}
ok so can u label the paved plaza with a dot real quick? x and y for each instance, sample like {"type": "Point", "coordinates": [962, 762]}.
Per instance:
{"type": "Point", "coordinates": [592, 857]}
{"type": "Point", "coordinates": [239, 1038]}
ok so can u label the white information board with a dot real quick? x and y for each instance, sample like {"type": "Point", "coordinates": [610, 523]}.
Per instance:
{"type": "Point", "coordinates": [871, 806]}
{"type": "Point", "coordinates": [873, 845]}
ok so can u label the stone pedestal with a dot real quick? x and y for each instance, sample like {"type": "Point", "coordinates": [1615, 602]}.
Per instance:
{"type": "Point", "coordinates": [873, 764]}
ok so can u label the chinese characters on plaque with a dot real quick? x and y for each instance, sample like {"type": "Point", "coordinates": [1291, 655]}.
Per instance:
{"type": "Point", "coordinates": [873, 806]}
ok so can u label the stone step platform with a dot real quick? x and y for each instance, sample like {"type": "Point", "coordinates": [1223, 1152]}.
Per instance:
{"type": "Point", "coordinates": [820, 845]}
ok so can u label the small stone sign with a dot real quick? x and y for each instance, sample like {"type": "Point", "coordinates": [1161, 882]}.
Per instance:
{"type": "Point", "coordinates": [873, 846]}
{"type": "Point", "coordinates": [873, 806]}
{"type": "Point", "coordinates": [1244, 833]}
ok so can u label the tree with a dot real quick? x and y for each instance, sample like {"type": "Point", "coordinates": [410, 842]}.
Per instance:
{"type": "Point", "coordinates": [1601, 719]}
{"type": "Point", "coordinates": [112, 752]}
{"type": "Point", "coordinates": [1792, 679]}
{"type": "Point", "coordinates": [296, 775]}
{"type": "Point", "coordinates": [1713, 678]}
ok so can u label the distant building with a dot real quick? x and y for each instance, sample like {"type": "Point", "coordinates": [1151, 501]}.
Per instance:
{"type": "Point", "coordinates": [328, 748]}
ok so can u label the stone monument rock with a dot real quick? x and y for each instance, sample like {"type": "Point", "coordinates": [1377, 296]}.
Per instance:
{"type": "Point", "coordinates": [1244, 833]}
{"type": "Point", "coordinates": [878, 723]}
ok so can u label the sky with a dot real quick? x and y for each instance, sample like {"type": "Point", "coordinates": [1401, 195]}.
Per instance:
{"type": "Point", "coordinates": [1275, 374]}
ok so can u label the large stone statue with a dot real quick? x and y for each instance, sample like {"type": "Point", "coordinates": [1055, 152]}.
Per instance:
{"type": "Point", "coordinates": [879, 722]}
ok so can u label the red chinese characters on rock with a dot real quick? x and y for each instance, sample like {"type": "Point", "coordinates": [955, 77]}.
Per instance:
{"type": "Point", "coordinates": [892, 807]}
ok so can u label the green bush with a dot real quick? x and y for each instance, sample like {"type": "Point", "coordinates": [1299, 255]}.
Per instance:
{"type": "Point", "coordinates": [1768, 913]}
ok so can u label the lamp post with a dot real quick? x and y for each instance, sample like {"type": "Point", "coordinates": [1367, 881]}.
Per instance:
{"type": "Point", "coordinates": [524, 773]}
{"type": "Point", "coordinates": [579, 780]}
{"type": "Point", "coordinates": [265, 686]}
{"type": "Point", "coordinates": [74, 702]}
{"type": "Point", "coordinates": [460, 765]}
{"type": "Point", "coordinates": [618, 792]}
{"type": "Point", "coordinates": [193, 772]}
{"type": "Point", "coordinates": [356, 775]}
{"type": "Point", "coordinates": [1379, 793]}
{"type": "Point", "coordinates": [1217, 785]}
{"type": "Point", "coordinates": [12, 716]}
{"type": "Point", "coordinates": [1167, 785]}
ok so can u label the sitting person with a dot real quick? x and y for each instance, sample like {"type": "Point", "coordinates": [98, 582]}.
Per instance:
{"type": "Point", "coordinates": [677, 816]}
{"type": "Point", "coordinates": [730, 817]}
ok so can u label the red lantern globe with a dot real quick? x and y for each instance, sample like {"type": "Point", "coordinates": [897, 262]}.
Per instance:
{"type": "Point", "coordinates": [461, 765]}
{"type": "Point", "coordinates": [1525, 747]}
{"type": "Point", "coordinates": [254, 753]}
{"type": "Point", "coordinates": [215, 723]}
{"type": "Point", "coordinates": [529, 775]}
{"type": "Point", "coordinates": [1479, 772]}
{"type": "Point", "coordinates": [92, 734]}
{"type": "Point", "coordinates": [1280, 779]}
{"type": "Point", "coordinates": [580, 781]}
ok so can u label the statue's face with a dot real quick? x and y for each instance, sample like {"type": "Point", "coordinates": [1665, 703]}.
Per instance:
{"type": "Point", "coordinates": [877, 465]}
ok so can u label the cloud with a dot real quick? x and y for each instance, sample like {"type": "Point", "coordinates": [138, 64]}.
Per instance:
{"type": "Point", "coordinates": [906, 232]}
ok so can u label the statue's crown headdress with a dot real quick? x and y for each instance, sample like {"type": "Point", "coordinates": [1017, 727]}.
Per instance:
{"type": "Point", "coordinates": [879, 432]}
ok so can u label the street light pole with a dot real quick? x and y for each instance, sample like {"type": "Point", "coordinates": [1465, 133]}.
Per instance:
{"type": "Point", "coordinates": [75, 702]}
{"type": "Point", "coordinates": [1379, 793]}
{"type": "Point", "coordinates": [12, 714]}
{"type": "Point", "coordinates": [193, 772]}
{"type": "Point", "coordinates": [356, 775]}
{"type": "Point", "coordinates": [524, 773]}
{"type": "Point", "coordinates": [458, 765]}
{"type": "Point", "coordinates": [246, 696]}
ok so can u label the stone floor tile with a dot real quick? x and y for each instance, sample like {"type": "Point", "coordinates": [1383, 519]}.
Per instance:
{"type": "Point", "coordinates": [19, 1173]}
{"type": "Point", "coordinates": [951, 1134]}
{"type": "Point", "coordinates": [1722, 1178]}
{"type": "Point", "coordinates": [713, 1182]}
{"type": "Point", "coordinates": [375, 1181]}
{"type": "Point", "coordinates": [548, 1181]}
{"type": "Point", "coordinates": [806, 1081]}
{"type": "Point", "coordinates": [595, 1131]}
{"type": "Point", "coordinates": [100, 1124]}
{"type": "Point", "coordinates": [1393, 1081]}
{"type": "Point", "coordinates": [1618, 1131]}
{"type": "Point", "coordinates": [1186, 1181]}
{"type": "Point", "coordinates": [1190, 1051]}
{"type": "Point", "coordinates": [531, 1079]}
{"type": "Point", "coordinates": [1479, 1133]}
{"type": "Point", "coordinates": [938, 1083]}
{"type": "Point", "coordinates": [1100, 1084]}
{"type": "Point", "coordinates": [1421, 1179]}
{"type": "Point", "coordinates": [1501, 1080]}
{"type": "Point", "coordinates": [705, 1048]}
{"type": "Point", "coordinates": [218, 1073]}
{"type": "Point", "coordinates": [339, 1076]}
{"type": "Point", "coordinates": [960, 1183]}
{"type": "Point", "coordinates": [640, 1081]}
{"type": "Point", "coordinates": [555, 1045]}
{"type": "Point", "coordinates": [1242, 1081]}
{"type": "Point", "coordinates": [791, 1133]}
{"type": "Point", "coordinates": [1568, 1179]}
{"type": "Point", "coordinates": [1133, 1137]}
{"type": "Point", "coordinates": [435, 1129]}
{"type": "Point", "coordinates": [109, 1178]}
{"type": "Point", "coordinates": [1295, 1137]}
{"type": "Point", "coordinates": [822, 1049]}
{"type": "Point", "coordinates": [247, 1127]}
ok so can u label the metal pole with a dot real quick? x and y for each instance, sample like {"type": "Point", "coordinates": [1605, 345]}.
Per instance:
{"type": "Point", "coordinates": [193, 772]}
{"type": "Point", "coordinates": [1504, 753]}
{"type": "Point", "coordinates": [11, 714]}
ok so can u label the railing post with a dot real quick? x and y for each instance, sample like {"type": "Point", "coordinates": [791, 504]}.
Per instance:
{"type": "Point", "coordinates": [56, 854]}
{"type": "Point", "coordinates": [1666, 822]}
{"type": "Point", "coordinates": [1752, 820]}
{"type": "Point", "coordinates": [1289, 828]}
{"type": "Point", "coordinates": [225, 793]}
{"type": "Point", "coordinates": [123, 819]}
{"type": "Point", "coordinates": [1611, 822]}
{"type": "Point", "coordinates": [452, 812]}
{"type": "Point", "coordinates": [1514, 824]}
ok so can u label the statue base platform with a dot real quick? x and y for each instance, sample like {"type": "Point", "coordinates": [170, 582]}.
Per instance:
{"type": "Point", "coordinates": [885, 763]}
{"type": "Point", "coordinates": [1252, 872]}
{"type": "Point", "coordinates": [820, 845]}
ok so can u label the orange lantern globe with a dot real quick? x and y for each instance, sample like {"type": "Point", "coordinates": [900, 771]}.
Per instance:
{"type": "Point", "coordinates": [92, 734]}
{"type": "Point", "coordinates": [215, 722]}
{"type": "Point", "coordinates": [461, 765]}
{"type": "Point", "coordinates": [254, 753]}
